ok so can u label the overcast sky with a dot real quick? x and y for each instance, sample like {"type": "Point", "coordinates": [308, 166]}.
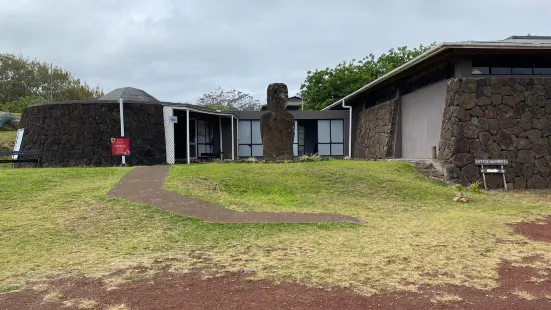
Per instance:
{"type": "Point", "coordinates": [179, 50]}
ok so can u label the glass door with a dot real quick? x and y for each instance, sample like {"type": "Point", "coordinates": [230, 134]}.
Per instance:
{"type": "Point", "coordinates": [192, 138]}
{"type": "Point", "coordinates": [205, 137]}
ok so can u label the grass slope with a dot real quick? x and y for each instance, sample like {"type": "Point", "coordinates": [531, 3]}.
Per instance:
{"type": "Point", "coordinates": [415, 236]}
{"type": "Point", "coordinates": [54, 221]}
{"type": "Point", "coordinates": [59, 222]}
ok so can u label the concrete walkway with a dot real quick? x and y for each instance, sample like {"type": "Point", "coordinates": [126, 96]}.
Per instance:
{"type": "Point", "coordinates": [145, 185]}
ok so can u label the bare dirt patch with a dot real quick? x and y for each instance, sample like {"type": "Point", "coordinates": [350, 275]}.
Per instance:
{"type": "Point", "coordinates": [428, 170]}
{"type": "Point", "coordinates": [169, 290]}
{"type": "Point", "coordinates": [540, 231]}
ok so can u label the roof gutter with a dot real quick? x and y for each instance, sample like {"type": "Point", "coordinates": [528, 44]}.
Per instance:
{"type": "Point", "coordinates": [438, 49]}
{"type": "Point", "coordinates": [349, 128]}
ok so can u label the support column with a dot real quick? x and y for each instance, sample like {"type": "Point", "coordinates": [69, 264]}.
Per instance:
{"type": "Point", "coordinates": [168, 112]}
{"type": "Point", "coordinates": [187, 136]}
{"type": "Point", "coordinates": [232, 141]}
{"type": "Point", "coordinates": [221, 145]}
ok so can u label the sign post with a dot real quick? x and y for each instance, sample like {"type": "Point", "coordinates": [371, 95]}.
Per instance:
{"type": "Point", "coordinates": [492, 162]}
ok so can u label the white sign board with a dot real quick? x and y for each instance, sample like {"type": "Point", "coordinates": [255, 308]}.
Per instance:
{"type": "Point", "coordinates": [18, 140]}
{"type": "Point", "coordinates": [173, 119]}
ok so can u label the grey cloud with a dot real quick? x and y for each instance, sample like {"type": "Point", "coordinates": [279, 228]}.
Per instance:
{"type": "Point", "coordinates": [178, 50]}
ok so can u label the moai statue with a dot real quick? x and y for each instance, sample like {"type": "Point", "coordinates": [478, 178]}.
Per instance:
{"type": "Point", "coordinates": [277, 126]}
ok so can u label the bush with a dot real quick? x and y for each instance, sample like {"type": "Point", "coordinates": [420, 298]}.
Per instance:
{"type": "Point", "coordinates": [460, 195]}
{"type": "Point", "coordinates": [314, 157]}
{"type": "Point", "coordinates": [19, 105]}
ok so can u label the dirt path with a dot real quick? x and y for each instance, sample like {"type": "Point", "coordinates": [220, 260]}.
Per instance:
{"type": "Point", "coordinates": [167, 290]}
{"type": "Point", "coordinates": [535, 231]}
{"type": "Point", "coordinates": [145, 185]}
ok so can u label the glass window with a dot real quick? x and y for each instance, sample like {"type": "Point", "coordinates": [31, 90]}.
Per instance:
{"type": "Point", "coordinates": [201, 132]}
{"type": "Point", "coordinates": [245, 132]}
{"type": "Point", "coordinates": [501, 70]}
{"type": "Point", "coordinates": [542, 70]}
{"type": "Point", "coordinates": [336, 131]}
{"type": "Point", "coordinates": [192, 131]}
{"type": "Point", "coordinates": [201, 149]}
{"type": "Point", "coordinates": [324, 131]}
{"type": "Point", "coordinates": [244, 150]}
{"type": "Point", "coordinates": [296, 133]}
{"type": "Point", "coordinates": [333, 147]}
{"type": "Point", "coordinates": [324, 149]}
{"type": "Point", "coordinates": [522, 70]}
{"type": "Point", "coordinates": [255, 132]}
{"type": "Point", "coordinates": [481, 70]}
{"type": "Point", "coordinates": [258, 150]}
{"type": "Point", "coordinates": [337, 149]}
{"type": "Point", "coordinates": [250, 139]}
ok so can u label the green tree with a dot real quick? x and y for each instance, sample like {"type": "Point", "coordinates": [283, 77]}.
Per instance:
{"type": "Point", "coordinates": [229, 100]}
{"type": "Point", "coordinates": [323, 87]}
{"type": "Point", "coordinates": [24, 81]}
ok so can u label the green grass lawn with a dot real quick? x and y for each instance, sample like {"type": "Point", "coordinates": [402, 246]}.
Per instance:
{"type": "Point", "coordinates": [60, 222]}
{"type": "Point", "coordinates": [7, 140]}
{"type": "Point", "coordinates": [415, 234]}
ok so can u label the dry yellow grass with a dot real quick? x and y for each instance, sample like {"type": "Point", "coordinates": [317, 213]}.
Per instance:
{"type": "Point", "coordinates": [113, 283]}
{"type": "Point", "coordinates": [524, 295]}
{"type": "Point", "coordinates": [446, 298]}
{"type": "Point", "coordinates": [80, 303]}
{"type": "Point", "coordinates": [118, 307]}
{"type": "Point", "coordinates": [53, 296]}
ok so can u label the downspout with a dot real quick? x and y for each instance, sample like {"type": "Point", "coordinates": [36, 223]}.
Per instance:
{"type": "Point", "coordinates": [349, 128]}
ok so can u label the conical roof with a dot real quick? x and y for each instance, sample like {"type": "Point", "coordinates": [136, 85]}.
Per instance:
{"type": "Point", "coordinates": [128, 93]}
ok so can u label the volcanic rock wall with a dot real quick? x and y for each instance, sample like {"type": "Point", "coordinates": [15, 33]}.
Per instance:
{"type": "Point", "coordinates": [79, 133]}
{"type": "Point", "coordinates": [498, 118]}
{"type": "Point", "coordinates": [376, 131]}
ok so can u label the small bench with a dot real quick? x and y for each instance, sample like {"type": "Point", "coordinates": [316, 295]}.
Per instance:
{"type": "Point", "coordinates": [22, 157]}
{"type": "Point", "coordinates": [209, 156]}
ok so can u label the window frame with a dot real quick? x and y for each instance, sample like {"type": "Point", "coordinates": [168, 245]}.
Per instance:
{"type": "Point", "coordinates": [297, 144]}
{"type": "Point", "coordinates": [331, 143]}
{"type": "Point", "coordinates": [250, 144]}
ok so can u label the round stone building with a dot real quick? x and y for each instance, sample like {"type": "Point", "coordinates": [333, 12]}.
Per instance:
{"type": "Point", "coordinates": [78, 133]}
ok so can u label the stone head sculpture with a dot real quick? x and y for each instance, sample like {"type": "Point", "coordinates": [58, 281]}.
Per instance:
{"type": "Point", "coordinates": [277, 125]}
{"type": "Point", "coordinates": [278, 95]}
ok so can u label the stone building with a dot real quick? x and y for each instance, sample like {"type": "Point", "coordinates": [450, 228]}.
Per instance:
{"type": "Point", "coordinates": [78, 133]}
{"type": "Point", "coordinates": [470, 100]}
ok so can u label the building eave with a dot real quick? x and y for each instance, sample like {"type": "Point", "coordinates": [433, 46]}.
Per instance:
{"type": "Point", "coordinates": [437, 50]}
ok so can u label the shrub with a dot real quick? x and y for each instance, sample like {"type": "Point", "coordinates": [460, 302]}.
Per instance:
{"type": "Point", "coordinates": [314, 157]}
{"type": "Point", "coordinates": [460, 195]}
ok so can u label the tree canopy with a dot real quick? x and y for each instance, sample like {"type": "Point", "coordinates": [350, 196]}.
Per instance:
{"type": "Point", "coordinates": [323, 87]}
{"type": "Point", "coordinates": [24, 82]}
{"type": "Point", "coordinates": [220, 99]}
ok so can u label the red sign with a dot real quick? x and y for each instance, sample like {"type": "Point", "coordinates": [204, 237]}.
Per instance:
{"type": "Point", "coordinates": [120, 146]}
